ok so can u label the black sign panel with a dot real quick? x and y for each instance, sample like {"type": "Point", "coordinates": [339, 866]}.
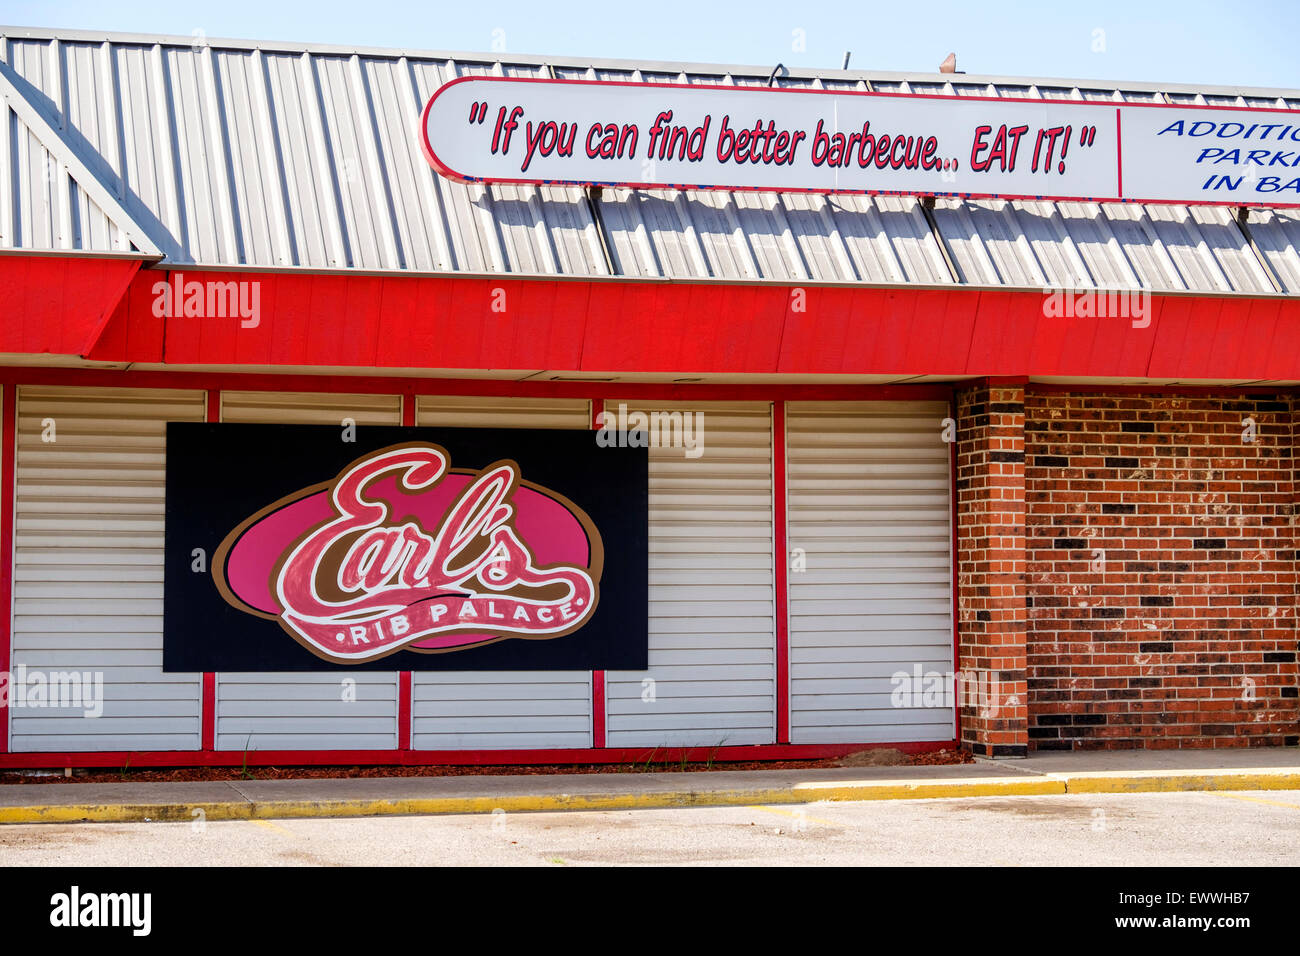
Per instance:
{"type": "Point", "coordinates": [307, 548]}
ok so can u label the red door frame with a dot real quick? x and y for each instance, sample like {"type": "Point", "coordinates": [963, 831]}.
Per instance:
{"type": "Point", "coordinates": [405, 679]}
{"type": "Point", "coordinates": [8, 463]}
{"type": "Point", "coordinates": [209, 691]}
{"type": "Point", "coordinates": [781, 549]}
{"type": "Point", "coordinates": [598, 705]}
{"type": "Point", "coordinates": [410, 389]}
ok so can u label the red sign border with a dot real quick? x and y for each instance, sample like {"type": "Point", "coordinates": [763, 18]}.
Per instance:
{"type": "Point", "coordinates": [444, 170]}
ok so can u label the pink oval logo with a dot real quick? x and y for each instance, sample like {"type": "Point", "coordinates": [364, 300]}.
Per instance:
{"type": "Point", "coordinates": [402, 552]}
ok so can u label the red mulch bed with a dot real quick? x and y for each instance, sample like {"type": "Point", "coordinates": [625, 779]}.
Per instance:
{"type": "Point", "coordinates": [316, 773]}
{"type": "Point", "coordinates": [938, 757]}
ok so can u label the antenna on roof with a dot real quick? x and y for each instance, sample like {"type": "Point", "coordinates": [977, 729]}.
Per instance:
{"type": "Point", "coordinates": [845, 64]}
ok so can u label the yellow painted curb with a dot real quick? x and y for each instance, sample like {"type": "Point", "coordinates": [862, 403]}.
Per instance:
{"type": "Point", "coordinates": [929, 790]}
{"type": "Point", "coordinates": [528, 803]}
{"type": "Point", "coordinates": [126, 812]}
{"type": "Point", "coordinates": [799, 793]}
{"type": "Point", "coordinates": [1045, 785]}
{"type": "Point", "coordinates": [1173, 783]}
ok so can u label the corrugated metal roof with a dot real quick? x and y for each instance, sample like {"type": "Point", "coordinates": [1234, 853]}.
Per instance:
{"type": "Point", "coordinates": [226, 152]}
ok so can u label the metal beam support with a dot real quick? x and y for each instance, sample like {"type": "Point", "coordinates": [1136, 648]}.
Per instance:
{"type": "Point", "coordinates": [66, 155]}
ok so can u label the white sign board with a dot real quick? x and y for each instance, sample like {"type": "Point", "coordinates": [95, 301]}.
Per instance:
{"type": "Point", "coordinates": [656, 136]}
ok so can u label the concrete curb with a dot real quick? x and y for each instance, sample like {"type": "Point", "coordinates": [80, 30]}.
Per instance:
{"type": "Point", "coordinates": [1147, 781]}
{"type": "Point", "coordinates": [595, 799]}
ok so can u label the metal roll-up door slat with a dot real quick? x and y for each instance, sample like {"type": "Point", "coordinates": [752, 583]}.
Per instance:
{"type": "Point", "coordinates": [497, 710]}
{"type": "Point", "coordinates": [308, 711]}
{"type": "Point", "coordinates": [712, 594]}
{"type": "Point", "coordinates": [869, 507]}
{"type": "Point", "coordinates": [88, 556]}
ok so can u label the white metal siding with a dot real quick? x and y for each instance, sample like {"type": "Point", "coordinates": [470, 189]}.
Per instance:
{"type": "Point", "coordinates": [308, 711]}
{"type": "Point", "coordinates": [712, 608]}
{"type": "Point", "coordinates": [487, 710]}
{"type": "Point", "coordinates": [282, 154]}
{"type": "Point", "coordinates": [88, 566]}
{"type": "Point", "coordinates": [869, 505]}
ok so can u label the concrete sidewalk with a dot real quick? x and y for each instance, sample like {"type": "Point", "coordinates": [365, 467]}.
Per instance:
{"type": "Point", "coordinates": [1091, 772]}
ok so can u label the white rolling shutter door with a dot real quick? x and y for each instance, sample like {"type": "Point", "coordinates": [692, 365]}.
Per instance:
{"type": "Point", "coordinates": [712, 609]}
{"type": "Point", "coordinates": [88, 566]}
{"type": "Point", "coordinates": [869, 505]}
{"type": "Point", "coordinates": [308, 711]}
{"type": "Point", "coordinates": [487, 710]}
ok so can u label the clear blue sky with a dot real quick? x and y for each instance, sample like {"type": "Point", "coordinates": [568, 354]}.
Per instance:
{"type": "Point", "coordinates": [1238, 42]}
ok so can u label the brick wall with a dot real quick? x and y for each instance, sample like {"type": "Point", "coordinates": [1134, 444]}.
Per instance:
{"type": "Point", "coordinates": [991, 569]}
{"type": "Point", "coordinates": [1161, 570]}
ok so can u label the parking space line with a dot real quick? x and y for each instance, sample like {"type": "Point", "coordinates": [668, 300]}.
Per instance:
{"type": "Point", "coordinates": [797, 815]}
{"type": "Point", "coordinates": [274, 826]}
{"type": "Point", "coordinates": [1271, 803]}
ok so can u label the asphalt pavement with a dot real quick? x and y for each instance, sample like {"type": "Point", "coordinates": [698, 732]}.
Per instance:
{"type": "Point", "coordinates": [1041, 775]}
{"type": "Point", "coordinates": [1232, 828]}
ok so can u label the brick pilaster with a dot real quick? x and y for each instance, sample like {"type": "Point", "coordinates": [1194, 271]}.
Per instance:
{"type": "Point", "coordinates": [991, 585]}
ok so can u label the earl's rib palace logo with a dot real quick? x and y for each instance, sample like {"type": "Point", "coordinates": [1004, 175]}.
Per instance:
{"type": "Point", "coordinates": [401, 551]}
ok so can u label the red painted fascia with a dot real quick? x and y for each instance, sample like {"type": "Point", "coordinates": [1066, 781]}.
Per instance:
{"type": "Point", "coordinates": [630, 327]}
{"type": "Point", "coordinates": [59, 305]}
{"type": "Point", "coordinates": [106, 309]}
